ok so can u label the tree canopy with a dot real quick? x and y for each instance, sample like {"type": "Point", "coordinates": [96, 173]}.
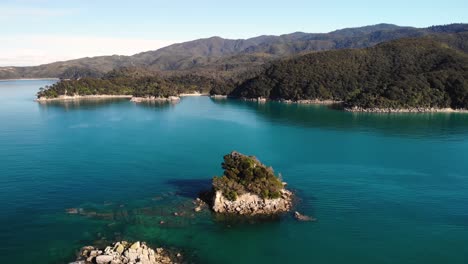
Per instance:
{"type": "Point", "coordinates": [246, 174]}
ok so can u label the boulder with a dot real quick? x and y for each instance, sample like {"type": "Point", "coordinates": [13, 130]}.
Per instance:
{"type": "Point", "coordinates": [104, 259]}
{"type": "Point", "coordinates": [301, 217]}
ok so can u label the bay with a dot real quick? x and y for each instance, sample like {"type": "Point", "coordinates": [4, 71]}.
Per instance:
{"type": "Point", "coordinates": [385, 188]}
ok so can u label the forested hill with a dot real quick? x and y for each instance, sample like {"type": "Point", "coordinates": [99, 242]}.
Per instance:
{"type": "Point", "coordinates": [429, 71]}
{"type": "Point", "coordinates": [224, 57]}
{"type": "Point", "coordinates": [132, 81]}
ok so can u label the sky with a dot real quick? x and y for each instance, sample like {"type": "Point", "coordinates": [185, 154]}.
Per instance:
{"type": "Point", "coordinates": [34, 32]}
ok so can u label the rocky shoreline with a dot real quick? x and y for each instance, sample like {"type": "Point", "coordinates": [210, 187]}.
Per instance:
{"type": "Point", "coordinates": [193, 94]}
{"type": "Point", "coordinates": [287, 101]}
{"type": "Point", "coordinates": [124, 252]}
{"type": "Point", "coordinates": [218, 96]}
{"type": "Point", "coordinates": [155, 99]}
{"type": "Point", "coordinates": [251, 204]}
{"type": "Point", "coordinates": [405, 110]}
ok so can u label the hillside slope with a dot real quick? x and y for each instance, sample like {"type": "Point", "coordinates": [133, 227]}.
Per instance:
{"type": "Point", "coordinates": [218, 55]}
{"type": "Point", "coordinates": [429, 71]}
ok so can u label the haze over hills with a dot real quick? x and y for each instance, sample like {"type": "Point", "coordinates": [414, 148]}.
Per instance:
{"type": "Point", "coordinates": [218, 56]}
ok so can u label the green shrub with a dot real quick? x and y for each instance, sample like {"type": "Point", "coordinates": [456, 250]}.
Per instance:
{"type": "Point", "coordinates": [244, 174]}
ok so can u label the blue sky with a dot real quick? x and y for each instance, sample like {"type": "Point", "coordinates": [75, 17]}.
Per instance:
{"type": "Point", "coordinates": [39, 31]}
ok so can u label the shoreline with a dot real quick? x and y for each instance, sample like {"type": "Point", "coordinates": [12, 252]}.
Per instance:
{"type": "Point", "coordinates": [80, 97]}
{"type": "Point", "coordinates": [356, 109]}
{"type": "Point", "coordinates": [155, 99]}
{"type": "Point", "coordinates": [193, 94]}
{"type": "Point", "coordinates": [287, 101]}
{"type": "Point", "coordinates": [177, 98]}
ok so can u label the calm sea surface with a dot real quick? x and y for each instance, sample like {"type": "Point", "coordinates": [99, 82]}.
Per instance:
{"type": "Point", "coordinates": [384, 188]}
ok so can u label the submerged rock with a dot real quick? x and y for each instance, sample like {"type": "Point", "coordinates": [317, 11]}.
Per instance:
{"type": "Point", "coordinates": [124, 252]}
{"type": "Point", "coordinates": [301, 217]}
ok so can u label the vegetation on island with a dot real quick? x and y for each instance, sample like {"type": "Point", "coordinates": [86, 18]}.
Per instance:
{"type": "Point", "coordinates": [130, 81]}
{"type": "Point", "coordinates": [246, 174]}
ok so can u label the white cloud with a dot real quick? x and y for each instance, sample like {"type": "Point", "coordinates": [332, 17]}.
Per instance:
{"type": "Point", "coordinates": [27, 50]}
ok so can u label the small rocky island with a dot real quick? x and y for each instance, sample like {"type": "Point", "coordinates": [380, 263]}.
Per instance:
{"type": "Point", "coordinates": [124, 252]}
{"type": "Point", "coordinates": [248, 187]}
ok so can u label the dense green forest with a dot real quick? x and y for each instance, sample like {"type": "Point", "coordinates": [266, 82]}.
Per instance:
{"type": "Point", "coordinates": [416, 72]}
{"type": "Point", "coordinates": [131, 81]}
{"type": "Point", "coordinates": [243, 174]}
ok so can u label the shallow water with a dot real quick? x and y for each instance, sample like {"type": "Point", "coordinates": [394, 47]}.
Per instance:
{"type": "Point", "coordinates": [385, 188]}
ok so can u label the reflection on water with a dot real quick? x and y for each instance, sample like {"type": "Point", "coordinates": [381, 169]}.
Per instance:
{"type": "Point", "coordinates": [69, 105]}
{"type": "Point", "coordinates": [320, 116]}
{"type": "Point", "coordinates": [157, 105]}
{"type": "Point", "coordinates": [91, 103]}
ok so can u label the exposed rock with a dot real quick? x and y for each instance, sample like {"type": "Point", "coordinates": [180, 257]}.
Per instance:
{"type": "Point", "coordinates": [199, 205]}
{"type": "Point", "coordinates": [405, 110]}
{"type": "Point", "coordinates": [302, 217]}
{"type": "Point", "coordinates": [104, 259]}
{"type": "Point", "coordinates": [72, 210]}
{"type": "Point", "coordinates": [252, 204]}
{"type": "Point", "coordinates": [123, 253]}
{"type": "Point", "coordinates": [135, 245]}
{"type": "Point", "coordinates": [154, 98]}
{"type": "Point", "coordinates": [219, 96]}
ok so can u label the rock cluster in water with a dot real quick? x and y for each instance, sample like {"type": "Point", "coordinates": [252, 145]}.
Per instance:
{"type": "Point", "coordinates": [126, 253]}
{"type": "Point", "coordinates": [252, 204]}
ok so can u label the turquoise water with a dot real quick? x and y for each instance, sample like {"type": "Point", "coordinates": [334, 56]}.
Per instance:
{"type": "Point", "coordinates": [384, 188]}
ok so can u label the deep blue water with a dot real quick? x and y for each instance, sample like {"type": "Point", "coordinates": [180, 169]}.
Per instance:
{"type": "Point", "coordinates": [385, 188]}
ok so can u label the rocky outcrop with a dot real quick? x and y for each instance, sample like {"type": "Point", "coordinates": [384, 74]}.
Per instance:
{"type": "Point", "coordinates": [124, 252]}
{"type": "Point", "coordinates": [405, 110]}
{"type": "Point", "coordinates": [154, 98]}
{"type": "Point", "coordinates": [252, 204]}
{"type": "Point", "coordinates": [288, 101]}
{"type": "Point", "coordinates": [249, 187]}
{"type": "Point", "coordinates": [219, 96]}
{"type": "Point", "coordinates": [304, 218]}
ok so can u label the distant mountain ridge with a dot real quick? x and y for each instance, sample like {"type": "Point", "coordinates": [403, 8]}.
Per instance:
{"type": "Point", "coordinates": [218, 55]}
